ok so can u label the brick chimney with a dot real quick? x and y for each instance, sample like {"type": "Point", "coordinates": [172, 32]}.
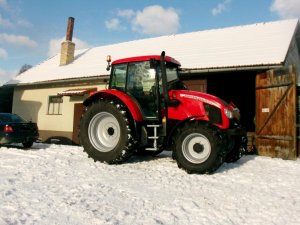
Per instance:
{"type": "Point", "coordinates": [68, 47]}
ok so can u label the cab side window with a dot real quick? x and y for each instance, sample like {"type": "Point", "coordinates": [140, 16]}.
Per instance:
{"type": "Point", "coordinates": [140, 84]}
{"type": "Point", "coordinates": [140, 78]}
{"type": "Point", "coordinates": [118, 80]}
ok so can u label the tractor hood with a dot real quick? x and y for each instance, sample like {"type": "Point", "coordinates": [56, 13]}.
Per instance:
{"type": "Point", "coordinates": [205, 106]}
{"type": "Point", "coordinates": [186, 95]}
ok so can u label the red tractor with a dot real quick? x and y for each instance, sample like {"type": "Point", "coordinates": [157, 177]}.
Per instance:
{"type": "Point", "coordinates": [146, 109]}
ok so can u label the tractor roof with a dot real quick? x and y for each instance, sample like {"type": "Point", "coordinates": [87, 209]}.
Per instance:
{"type": "Point", "coordinates": [145, 58]}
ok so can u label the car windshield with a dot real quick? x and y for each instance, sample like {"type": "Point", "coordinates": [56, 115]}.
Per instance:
{"type": "Point", "coordinates": [11, 118]}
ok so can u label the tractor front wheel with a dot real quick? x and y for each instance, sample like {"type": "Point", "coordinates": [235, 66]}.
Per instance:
{"type": "Point", "coordinates": [238, 149]}
{"type": "Point", "coordinates": [199, 148]}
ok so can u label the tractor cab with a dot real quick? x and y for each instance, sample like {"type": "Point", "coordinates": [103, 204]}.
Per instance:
{"type": "Point", "coordinates": [141, 79]}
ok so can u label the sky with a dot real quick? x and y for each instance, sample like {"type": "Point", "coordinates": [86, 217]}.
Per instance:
{"type": "Point", "coordinates": [32, 30]}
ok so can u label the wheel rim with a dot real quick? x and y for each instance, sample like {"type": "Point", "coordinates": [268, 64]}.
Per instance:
{"type": "Point", "coordinates": [104, 132]}
{"type": "Point", "coordinates": [196, 148]}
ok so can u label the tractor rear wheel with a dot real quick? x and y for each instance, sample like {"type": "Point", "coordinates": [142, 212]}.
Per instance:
{"type": "Point", "coordinates": [105, 133]}
{"type": "Point", "coordinates": [199, 148]}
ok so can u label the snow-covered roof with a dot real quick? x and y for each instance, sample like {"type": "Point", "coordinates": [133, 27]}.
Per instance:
{"type": "Point", "coordinates": [242, 46]}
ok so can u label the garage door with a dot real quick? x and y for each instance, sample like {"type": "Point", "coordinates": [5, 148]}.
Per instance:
{"type": "Point", "coordinates": [78, 109]}
{"type": "Point", "coordinates": [275, 115]}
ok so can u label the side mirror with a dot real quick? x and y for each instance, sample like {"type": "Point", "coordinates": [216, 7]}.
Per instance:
{"type": "Point", "coordinates": [108, 60]}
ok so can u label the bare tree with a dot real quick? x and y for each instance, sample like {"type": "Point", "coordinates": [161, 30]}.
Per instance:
{"type": "Point", "coordinates": [24, 68]}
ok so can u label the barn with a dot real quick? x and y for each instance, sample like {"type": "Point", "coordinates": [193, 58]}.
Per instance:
{"type": "Point", "coordinates": [254, 66]}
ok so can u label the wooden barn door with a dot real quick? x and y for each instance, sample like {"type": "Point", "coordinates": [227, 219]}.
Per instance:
{"type": "Point", "coordinates": [276, 113]}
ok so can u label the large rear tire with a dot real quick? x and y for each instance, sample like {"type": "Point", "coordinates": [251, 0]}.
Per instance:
{"type": "Point", "coordinates": [105, 133]}
{"type": "Point", "coordinates": [199, 148]}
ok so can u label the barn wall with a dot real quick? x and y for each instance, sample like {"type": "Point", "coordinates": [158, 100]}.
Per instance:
{"type": "Point", "coordinates": [293, 58]}
{"type": "Point", "coordinates": [196, 84]}
{"type": "Point", "coordinates": [32, 104]}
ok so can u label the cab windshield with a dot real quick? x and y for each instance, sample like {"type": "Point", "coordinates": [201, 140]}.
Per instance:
{"type": "Point", "coordinates": [173, 81]}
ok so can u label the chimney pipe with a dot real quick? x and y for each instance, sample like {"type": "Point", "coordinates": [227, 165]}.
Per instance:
{"type": "Point", "coordinates": [68, 47]}
{"type": "Point", "coordinates": [69, 34]}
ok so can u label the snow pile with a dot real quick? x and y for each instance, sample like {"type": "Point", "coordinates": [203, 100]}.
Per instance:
{"type": "Point", "coordinates": [53, 184]}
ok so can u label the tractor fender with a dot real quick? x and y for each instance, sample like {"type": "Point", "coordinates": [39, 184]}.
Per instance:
{"type": "Point", "coordinates": [116, 94]}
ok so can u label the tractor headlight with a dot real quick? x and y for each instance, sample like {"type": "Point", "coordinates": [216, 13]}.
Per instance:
{"type": "Point", "coordinates": [228, 113]}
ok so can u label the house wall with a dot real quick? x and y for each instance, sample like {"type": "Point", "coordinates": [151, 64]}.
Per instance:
{"type": "Point", "coordinates": [32, 104]}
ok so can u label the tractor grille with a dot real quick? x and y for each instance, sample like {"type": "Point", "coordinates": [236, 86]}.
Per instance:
{"type": "Point", "coordinates": [213, 113]}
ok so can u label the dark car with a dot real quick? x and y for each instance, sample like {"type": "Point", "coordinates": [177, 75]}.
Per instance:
{"type": "Point", "coordinates": [15, 129]}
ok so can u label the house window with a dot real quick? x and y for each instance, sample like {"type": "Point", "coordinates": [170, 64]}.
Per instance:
{"type": "Point", "coordinates": [55, 105]}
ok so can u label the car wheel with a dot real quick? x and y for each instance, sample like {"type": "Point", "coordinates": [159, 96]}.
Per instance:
{"type": "Point", "coordinates": [27, 144]}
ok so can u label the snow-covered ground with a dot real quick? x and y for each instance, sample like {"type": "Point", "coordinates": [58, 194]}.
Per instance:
{"type": "Point", "coordinates": [55, 184]}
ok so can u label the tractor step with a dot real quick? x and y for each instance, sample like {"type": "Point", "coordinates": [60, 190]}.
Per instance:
{"type": "Point", "coordinates": [154, 137]}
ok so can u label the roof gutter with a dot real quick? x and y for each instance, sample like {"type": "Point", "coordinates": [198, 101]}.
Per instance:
{"type": "Point", "coordinates": [71, 80]}
{"type": "Point", "coordinates": [184, 71]}
{"type": "Point", "coordinates": [231, 69]}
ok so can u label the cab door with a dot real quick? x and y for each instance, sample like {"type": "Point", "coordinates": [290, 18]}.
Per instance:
{"type": "Point", "coordinates": [141, 85]}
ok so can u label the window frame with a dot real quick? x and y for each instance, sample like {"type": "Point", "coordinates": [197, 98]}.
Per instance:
{"type": "Point", "coordinates": [55, 110]}
{"type": "Point", "coordinates": [114, 78]}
